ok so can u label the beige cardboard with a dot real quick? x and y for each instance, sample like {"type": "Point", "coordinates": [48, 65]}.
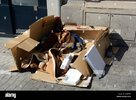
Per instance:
{"type": "Point", "coordinates": [98, 35]}
{"type": "Point", "coordinates": [102, 45]}
{"type": "Point", "coordinates": [21, 48]}
{"type": "Point", "coordinates": [16, 41]}
{"type": "Point", "coordinates": [41, 27]}
{"type": "Point", "coordinates": [19, 55]}
{"type": "Point", "coordinates": [19, 44]}
{"type": "Point", "coordinates": [39, 75]}
{"type": "Point", "coordinates": [81, 65]}
{"type": "Point", "coordinates": [13, 68]}
{"type": "Point", "coordinates": [108, 61]}
{"type": "Point", "coordinates": [95, 61]}
{"type": "Point", "coordinates": [83, 82]}
{"type": "Point", "coordinates": [28, 45]}
{"type": "Point", "coordinates": [42, 76]}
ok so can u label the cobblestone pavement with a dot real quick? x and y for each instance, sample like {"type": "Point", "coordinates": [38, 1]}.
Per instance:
{"type": "Point", "coordinates": [121, 75]}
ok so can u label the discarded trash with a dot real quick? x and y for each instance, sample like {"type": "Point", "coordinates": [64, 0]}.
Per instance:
{"type": "Point", "coordinates": [61, 54]}
{"type": "Point", "coordinates": [95, 61]}
{"type": "Point", "coordinates": [67, 60]}
{"type": "Point", "coordinates": [72, 77]}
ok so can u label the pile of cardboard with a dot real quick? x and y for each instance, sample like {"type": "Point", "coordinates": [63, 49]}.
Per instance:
{"type": "Point", "coordinates": [90, 60]}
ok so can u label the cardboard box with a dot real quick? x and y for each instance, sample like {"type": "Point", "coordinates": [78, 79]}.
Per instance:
{"type": "Point", "coordinates": [24, 45]}
{"type": "Point", "coordinates": [97, 35]}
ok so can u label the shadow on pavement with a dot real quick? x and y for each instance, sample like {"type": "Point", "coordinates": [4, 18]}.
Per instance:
{"type": "Point", "coordinates": [116, 50]}
{"type": "Point", "coordinates": [118, 42]}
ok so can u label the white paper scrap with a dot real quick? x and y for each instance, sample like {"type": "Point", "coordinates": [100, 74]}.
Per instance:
{"type": "Point", "coordinates": [72, 77]}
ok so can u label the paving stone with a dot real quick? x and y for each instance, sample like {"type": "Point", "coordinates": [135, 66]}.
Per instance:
{"type": "Point", "coordinates": [4, 82]}
{"type": "Point", "coordinates": [17, 82]}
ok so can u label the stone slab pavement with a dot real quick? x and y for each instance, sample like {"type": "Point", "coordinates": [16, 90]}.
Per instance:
{"type": "Point", "coordinates": [120, 76]}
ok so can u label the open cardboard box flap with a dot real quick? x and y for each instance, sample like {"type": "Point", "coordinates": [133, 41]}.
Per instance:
{"type": "Point", "coordinates": [28, 45]}
{"type": "Point", "coordinates": [17, 40]}
{"type": "Point", "coordinates": [81, 65]}
{"type": "Point", "coordinates": [24, 44]}
{"type": "Point", "coordinates": [41, 27]}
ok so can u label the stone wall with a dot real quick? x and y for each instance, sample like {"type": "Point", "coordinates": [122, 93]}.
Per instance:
{"type": "Point", "coordinates": [119, 16]}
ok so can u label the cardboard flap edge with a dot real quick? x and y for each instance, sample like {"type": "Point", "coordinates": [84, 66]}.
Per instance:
{"type": "Point", "coordinates": [28, 44]}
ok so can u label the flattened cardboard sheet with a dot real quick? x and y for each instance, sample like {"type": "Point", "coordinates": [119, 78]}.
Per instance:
{"type": "Point", "coordinates": [13, 68]}
{"type": "Point", "coordinates": [42, 76]}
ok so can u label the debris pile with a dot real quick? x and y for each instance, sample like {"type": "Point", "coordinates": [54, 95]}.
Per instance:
{"type": "Point", "coordinates": [62, 54]}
